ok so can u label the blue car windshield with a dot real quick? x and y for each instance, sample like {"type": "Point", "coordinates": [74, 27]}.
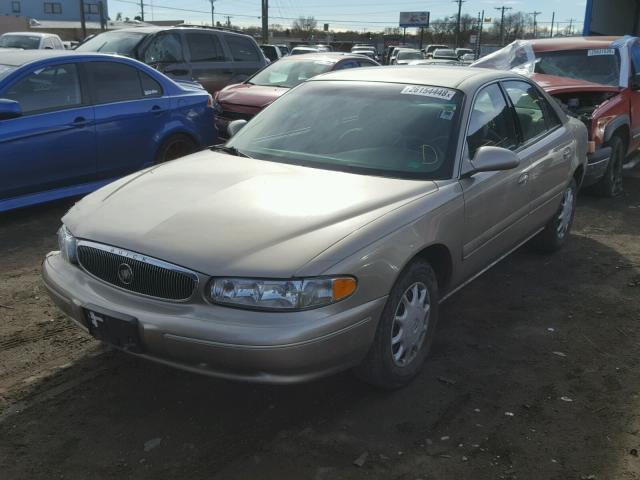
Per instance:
{"type": "Point", "coordinates": [371, 128]}
{"type": "Point", "coordinates": [5, 70]}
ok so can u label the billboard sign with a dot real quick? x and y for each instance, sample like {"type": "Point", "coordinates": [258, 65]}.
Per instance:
{"type": "Point", "coordinates": [414, 19]}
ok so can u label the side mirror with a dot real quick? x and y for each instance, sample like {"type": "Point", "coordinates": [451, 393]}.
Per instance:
{"type": "Point", "coordinates": [9, 109]}
{"type": "Point", "coordinates": [235, 126]}
{"type": "Point", "coordinates": [491, 159]}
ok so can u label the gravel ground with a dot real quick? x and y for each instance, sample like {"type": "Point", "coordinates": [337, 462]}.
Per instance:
{"type": "Point", "coordinates": [534, 374]}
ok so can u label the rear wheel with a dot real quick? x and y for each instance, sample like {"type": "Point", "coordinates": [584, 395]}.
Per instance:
{"type": "Point", "coordinates": [610, 185]}
{"type": "Point", "coordinates": [175, 146]}
{"type": "Point", "coordinates": [556, 232]}
{"type": "Point", "coordinates": [405, 329]}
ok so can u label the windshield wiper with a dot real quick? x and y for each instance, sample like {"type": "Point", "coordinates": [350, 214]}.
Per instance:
{"type": "Point", "coordinates": [230, 150]}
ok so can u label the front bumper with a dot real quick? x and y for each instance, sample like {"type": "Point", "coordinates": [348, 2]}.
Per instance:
{"type": "Point", "coordinates": [225, 342]}
{"type": "Point", "coordinates": [597, 163]}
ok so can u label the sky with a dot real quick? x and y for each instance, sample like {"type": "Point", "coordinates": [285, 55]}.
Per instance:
{"type": "Point", "coordinates": [362, 15]}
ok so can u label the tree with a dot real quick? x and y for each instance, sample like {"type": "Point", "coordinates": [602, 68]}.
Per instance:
{"type": "Point", "coordinates": [305, 25]}
{"type": "Point", "coordinates": [119, 17]}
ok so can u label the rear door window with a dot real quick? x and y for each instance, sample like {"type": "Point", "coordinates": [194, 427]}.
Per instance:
{"type": "Point", "coordinates": [164, 48]}
{"type": "Point", "coordinates": [205, 47]}
{"type": "Point", "coordinates": [105, 76]}
{"type": "Point", "coordinates": [150, 88]}
{"type": "Point", "coordinates": [242, 49]}
{"type": "Point", "coordinates": [47, 89]}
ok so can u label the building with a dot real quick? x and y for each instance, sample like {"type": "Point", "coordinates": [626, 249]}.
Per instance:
{"type": "Point", "coordinates": [604, 17]}
{"type": "Point", "coordinates": [54, 10]}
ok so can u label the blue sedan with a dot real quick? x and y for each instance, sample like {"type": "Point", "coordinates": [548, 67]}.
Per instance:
{"type": "Point", "coordinates": [71, 123]}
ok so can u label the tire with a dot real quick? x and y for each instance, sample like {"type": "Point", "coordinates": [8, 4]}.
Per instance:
{"type": "Point", "coordinates": [610, 185]}
{"type": "Point", "coordinates": [385, 366]}
{"type": "Point", "coordinates": [175, 146]}
{"type": "Point", "coordinates": [556, 231]}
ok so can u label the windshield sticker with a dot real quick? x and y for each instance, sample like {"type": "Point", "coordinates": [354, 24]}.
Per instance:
{"type": "Point", "coordinates": [433, 92]}
{"type": "Point", "coordinates": [596, 52]}
{"type": "Point", "coordinates": [446, 114]}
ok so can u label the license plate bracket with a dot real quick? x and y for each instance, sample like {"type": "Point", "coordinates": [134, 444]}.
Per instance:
{"type": "Point", "coordinates": [121, 331]}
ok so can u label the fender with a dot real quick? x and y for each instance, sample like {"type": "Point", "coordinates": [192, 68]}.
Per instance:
{"type": "Point", "coordinates": [622, 120]}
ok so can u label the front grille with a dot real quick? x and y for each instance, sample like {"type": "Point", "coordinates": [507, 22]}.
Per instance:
{"type": "Point", "coordinates": [136, 273]}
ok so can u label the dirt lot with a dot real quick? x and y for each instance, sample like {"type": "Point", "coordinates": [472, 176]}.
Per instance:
{"type": "Point", "coordinates": [534, 375]}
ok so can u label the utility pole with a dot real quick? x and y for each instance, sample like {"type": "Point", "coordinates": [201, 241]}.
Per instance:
{"type": "Point", "coordinates": [570, 27]}
{"type": "Point", "coordinates": [479, 35]}
{"type": "Point", "coordinates": [142, 10]}
{"type": "Point", "coordinates": [103, 23]}
{"type": "Point", "coordinates": [503, 8]}
{"type": "Point", "coordinates": [459, 2]}
{"type": "Point", "coordinates": [213, 9]}
{"type": "Point", "coordinates": [535, 24]}
{"type": "Point", "coordinates": [83, 23]}
{"type": "Point", "coordinates": [553, 19]}
{"type": "Point", "coordinates": [228, 21]}
{"type": "Point", "coordinates": [265, 21]}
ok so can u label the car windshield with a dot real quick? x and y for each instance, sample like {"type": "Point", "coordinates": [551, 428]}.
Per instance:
{"type": "Point", "coordinates": [409, 55]}
{"type": "Point", "coordinates": [26, 42]}
{"type": "Point", "coordinates": [597, 66]}
{"type": "Point", "coordinates": [121, 43]}
{"type": "Point", "coordinates": [289, 73]}
{"type": "Point", "coordinates": [387, 129]}
{"type": "Point", "coordinates": [5, 70]}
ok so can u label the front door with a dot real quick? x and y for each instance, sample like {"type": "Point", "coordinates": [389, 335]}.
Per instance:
{"type": "Point", "coordinates": [52, 145]}
{"type": "Point", "coordinates": [496, 203]}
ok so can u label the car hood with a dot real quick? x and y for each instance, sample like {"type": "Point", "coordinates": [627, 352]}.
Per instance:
{"type": "Point", "coordinates": [244, 94]}
{"type": "Point", "coordinates": [554, 84]}
{"type": "Point", "coordinates": [225, 215]}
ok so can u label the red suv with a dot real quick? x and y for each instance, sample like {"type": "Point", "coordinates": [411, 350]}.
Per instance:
{"type": "Point", "coordinates": [596, 79]}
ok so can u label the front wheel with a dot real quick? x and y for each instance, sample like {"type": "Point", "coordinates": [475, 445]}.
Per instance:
{"type": "Point", "coordinates": [556, 232]}
{"type": "Point", "coordinates": [405, 329]}
{"type": "Point", "coordinates": [175, 146]}
{"type": "Point", "coordinates": [610, 185]}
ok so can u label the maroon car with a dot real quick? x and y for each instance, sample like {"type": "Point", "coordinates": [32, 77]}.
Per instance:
{"type": "Point", "coordinates": [246, 99]}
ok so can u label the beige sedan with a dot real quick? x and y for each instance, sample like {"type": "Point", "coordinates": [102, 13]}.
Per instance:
{"type": "Point", "coordinates": [325, 234]}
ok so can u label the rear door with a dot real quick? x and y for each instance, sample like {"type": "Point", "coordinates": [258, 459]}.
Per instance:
{"type": "Point", "coordinates": [496, 203]}
{"type": "Point", "coordinates": [165, 53]}
{"type": "Point", "coordinates": [210, 65]}
{"type": "Point", "coordinates": [130, 113]}
{"type": "Point", "coordinates": [545, 144]}
{"type": "Point", "coordinates": [53, 144]}
{"type": "Point", "coordinates": [247, 57]}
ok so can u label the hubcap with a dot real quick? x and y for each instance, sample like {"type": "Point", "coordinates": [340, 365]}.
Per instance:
{"type": "Point", "coordinates": [566, 210]}
{"type": "Point", "coordinates": [410, 323]}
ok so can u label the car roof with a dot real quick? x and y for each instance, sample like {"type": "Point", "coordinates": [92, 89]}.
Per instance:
{"type": "Point", "coordinates": [30, 34]}
{"type": "Point", "coordinates": [18, 58]}
{"type": "Point", "coordinates": [461, 77]}
{"type": "Point", "coordinates": [334, 57]}
{"type": "Point", "coordinates": [571, 43]}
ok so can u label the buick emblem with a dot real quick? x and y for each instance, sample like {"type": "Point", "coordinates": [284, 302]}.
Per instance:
{"type": "Point", "coordinates": [125, 274]}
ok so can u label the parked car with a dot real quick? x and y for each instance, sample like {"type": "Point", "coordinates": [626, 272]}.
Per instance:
{"type": "Point", "coordinates": [431, 61]}
{"type": "Point", "coordinates": [246, 99]}
{"type": "Point", "coordinates": [394, 54]}
{"type": "Point", "coordinates": [70, 123]}
{"type": "Point", "coordinates": [31, 41]}
{"type": "Point", "coordinates": [468, 58]}
{"type": "Point", "coordinates": [366, 52]}
{"type": "Point", "coordinates": [273, 52]}
{"type": "Point", "coordinates": [403, 57]}
{"type": "Point", "coordinates": [303, 49]}
{"type": "Point", "coordinates": [428, 52]}
{"type": "Point", "coordinates": [70, 45]}
{"type": "Point", "coordinates": [444, 54]}
{"type": "Point", "coordinates": [325, 234]}
{"type": "Point", "coordinates": [323, 48]}
{"type": "Point", "coordinates": [461, 52]}
{"type": "Point", "coordinates": [594, 79]}
{"type": "Point", "coordinates": [212, 57]}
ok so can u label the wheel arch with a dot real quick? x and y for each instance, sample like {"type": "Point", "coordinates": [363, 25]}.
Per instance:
{"type": "Point", "coordinates": [173, 133]}
{"type": "Point", "coordinates": [439, 257]}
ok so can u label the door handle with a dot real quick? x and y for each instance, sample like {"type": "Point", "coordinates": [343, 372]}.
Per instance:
{"type": "Point", "coordinates": [523, 179]}
{"type": "Point", "coordinates": [157, 109]}
{"type": "Point", "coordinates": [177, 72]}
{"type": "Point", "coordinates": [79, 122]}
{"type": "Point", "coordinates": [566, 153]}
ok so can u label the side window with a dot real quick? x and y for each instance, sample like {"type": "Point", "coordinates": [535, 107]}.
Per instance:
{"type": "Point", "coordinates": [529, 109]}
{"type": "Point", "coordinates": [150, 88]}
{"type": "Point", "coordinates": [164, 48]}
{"type": "Point", "coordinates": [46, 89]}
{"type": "Point", "coordinates": [491, 122]}
{"type": "Point", "coordinates": [104, 75]}
{"type": "Point", "coordinates": [205, 47]}
{"type": "Point", "coordinates": [366, 63]}
{"type": "Point", "coordinates": [347, 64]}
{"type": "Point", "coordinates": [242, 49]}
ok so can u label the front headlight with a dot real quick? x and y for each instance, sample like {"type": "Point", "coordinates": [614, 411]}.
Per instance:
{"type": "Point", "coordinates": [298, 294]}
{"type": "Point", "coordinates": [67, 244]}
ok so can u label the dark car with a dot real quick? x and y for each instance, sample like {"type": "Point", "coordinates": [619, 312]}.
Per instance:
{"type": "Point", "coordinates": [71, 123]}
{"type": "Point", "coordinates": [213, 57]}
{"type": "Point", "coordinates": [244, 100]}
{"type": "Point", "coordinates": [444, 53]}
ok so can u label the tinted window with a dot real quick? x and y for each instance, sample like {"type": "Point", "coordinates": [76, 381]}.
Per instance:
{"type": "Point", "coordinates": [205, 47]}
{"type": "Point", "coordinates": [529, 110]}
{"type": "Point", "coordinates": [20, 41]}
{"type": "Point", "coordinates": [491, 122]}
{"type": "Point", "coordinates": [150, 88]}
{"type": "Point", "coordinates": [113, 82]}
{"type": "Point", "coordinates": [347, 64]}
{"type": "Point", "coordinates": [377, 128]}
{"type": "Point", "coordinates": [242, 49]}
{"type": "Point", "coordinates": [165, 48]}
{"type": "Point", "coordinates": [122, 43]}
{"type": "Point", "coordinates": [50, 88]}
{"type": "Point", "coordinates": [270, 52]}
